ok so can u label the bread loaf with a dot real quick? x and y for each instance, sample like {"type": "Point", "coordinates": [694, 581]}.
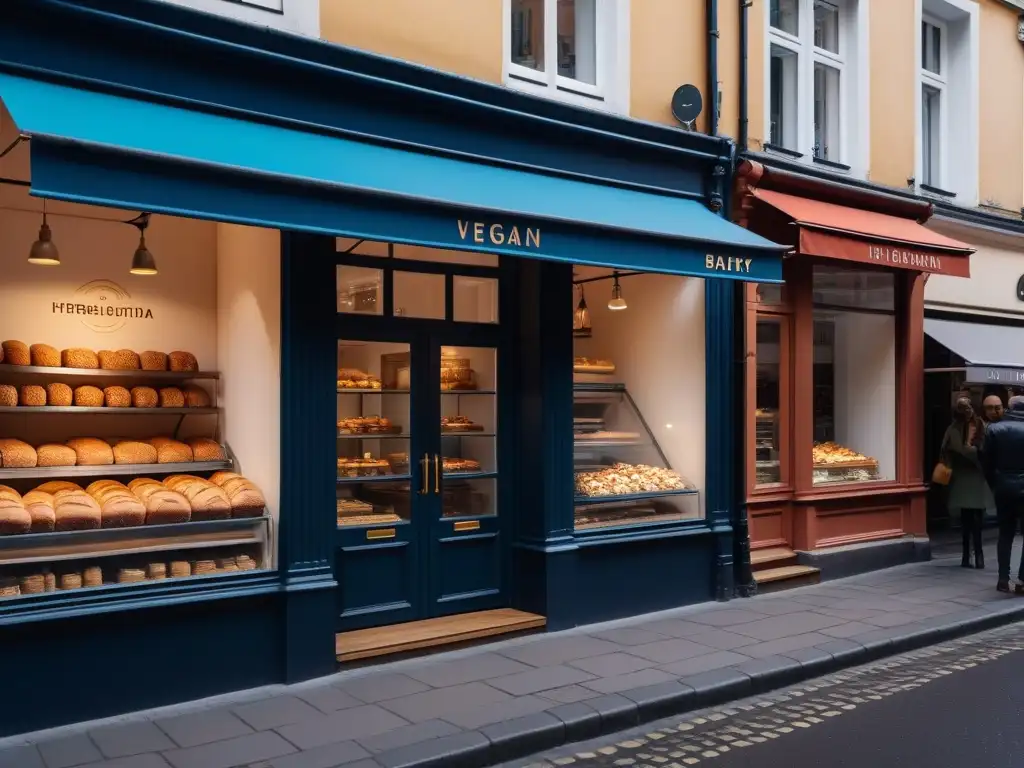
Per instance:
{"type": "Point", "coordinates": [55, 455]}
{"type": "Point", "coordinates": [16, 454]}
{"type": "Point", "coordinates": [39, 506]}
{"type": "Point", "coordinates": [44, 355]}
{"type": "Point", "coordinates": [116, 397]}
{"type": "Point", "coordinates": [153, 361]}
{"type": "Point", "coordinates": [121, 360]}
{"type": "Point", "coordinates": [183, 361]}
{"type": "Point", "coordinates": [92, 576]}
{"type": "Point", "coordinates": [246, 499]}
{"type": "Point", "coordinates": [14, 518]}
{"type": "Point", "coordinates": [144, 397]}
{"type": "Point", "coordinates": [172, 397]}
{"type": "Point", "coordinates": [59, 394]}
{"type": "Point", "coordinates": [32, 395]}
{"type": "Point", "coordinates": [79, 358]}
{"type": "Point", "coordinates": [88, 396]}
{"type": "Point", "coordinates": [196, 397]}
{"type": "Point", "coordinates": [205, 449]}
{"type": "Point", "coordinates": [134, 452]}
{"type": "Point", "coordinates": [6, 492]}
{"type": "Point", "coordinates": [208, 501]}
{"type": "Point", "coordinates": [91, 451]}
{"type": "Point", "coordinates": [170, 451]}
{"type": "Point", "coordinates": [16, 353]}
{"type": "Point", "coordinates": [119, 506]}
{"type": "Point", "coordinates": [163, 505]}
{"type": "Point", "coordinates": [76, 511]}
{"type": "Point", "coordinates": [8, 395]}
{"type": "Point", "coordinates": [59, 485]}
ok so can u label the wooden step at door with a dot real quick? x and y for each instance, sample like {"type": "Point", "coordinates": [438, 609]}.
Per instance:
{"type": "Point", "coordinates": [416, 636]}
{"type": "Point", "coordinates": [786, 577]}
{"type": "Point", "coordinates": [772, 557]}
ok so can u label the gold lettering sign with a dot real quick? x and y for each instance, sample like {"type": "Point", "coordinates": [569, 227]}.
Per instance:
{"type": "Point", "coordinates": [904, 257]}
{"type": "Point", "coordinates": [380, 533]}
{"type": "Point", "coordinates": [728, 264]}
{"type": "Point", "coordinates": [481, 233]}
{"type": "Point", "coordinates": [466, 525]}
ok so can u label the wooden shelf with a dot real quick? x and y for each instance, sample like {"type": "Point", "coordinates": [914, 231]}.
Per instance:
{"type": "Point", "coordinates": [103, 470]}
{"type": "Point", "coordinates": [103, 373]}
{"type": "Point", "coordinates": [105, 410]}
{"type": "Point", "coordinates": [593, 500]}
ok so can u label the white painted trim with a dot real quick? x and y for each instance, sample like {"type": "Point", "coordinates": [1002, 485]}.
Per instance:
{"type": "Point", "coordinates": [298, 16]}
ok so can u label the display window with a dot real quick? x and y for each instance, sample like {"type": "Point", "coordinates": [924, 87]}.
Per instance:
{"type": "Point", "coordinates": [638, 399]}
{"type": "Point", "coordinates": [771, 400]}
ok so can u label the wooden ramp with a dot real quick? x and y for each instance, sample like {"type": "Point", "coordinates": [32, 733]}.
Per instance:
{"type": "Point", "coordinates": [776, 568]}
{"type": "Point", "coordinates": [431, 633]}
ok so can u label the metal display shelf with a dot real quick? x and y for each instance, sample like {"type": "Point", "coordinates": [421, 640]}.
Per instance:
{"type": "Point", "coordinates": [104, 373]}
{"type": "Point", "coordinates": [374, 436]}
{"type": "Point", "coordinates": [467, 434]}
{"type": "Point", "coordinates": [594, 500]}
{"type": "Point", "coordinates": [580, 445]}
{"type": "Point", "coordinates": [113, 542]}
{"type": "Point", "coordinates": [348, 480]}
{"type": "Point", "coordinates": [106, 410]}
{"type": "Point", "coordinates": [103, 470]}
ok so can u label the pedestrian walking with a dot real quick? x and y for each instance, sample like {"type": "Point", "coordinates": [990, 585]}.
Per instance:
{"type": "Point", "coordinates": [968, 490]}
{"type": "Point", "coordinates": [1002, 461]}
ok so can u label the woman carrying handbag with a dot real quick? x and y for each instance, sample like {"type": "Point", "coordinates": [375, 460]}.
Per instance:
{"type": "Point", "coordinates": [960, 467]}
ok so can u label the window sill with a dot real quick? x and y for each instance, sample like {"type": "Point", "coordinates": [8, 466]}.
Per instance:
{"type": "Point", "coordinates": [775, 149]}
{"type": "Point", "coordinates": [562, 94]}
{"type": "Point", "coordinates": [833, 166]}
{"type": "Point", "coordinates": [937, 192]}
{"type": "Point", "coordinates": [857, 491]}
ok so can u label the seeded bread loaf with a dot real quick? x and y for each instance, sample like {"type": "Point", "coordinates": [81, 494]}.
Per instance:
{"type": "Point", "coordinates": [39, 506]}
{"type": "Point", "coordinates": [182, 361]}
{"type": "Point", "coordinates": [8, 395]}
{"type": "Point", "coordinates": [170, 451]}
{"type": "Point", "coordinates": [205, 449]}
{"type": "Point", "coordinates": [163, 505]}
{"type": "Point", "coordinates": [91, 451]}
{"type": "Point", "coordinates": [59, 394]}
{"type": "Point", "coordinates": [14, 518]}
{"type": "Point", "coordinates": [246, 499]}
{"type": "Point", "coordinates": [59, 485]}
{"type": "Point", "coordinates": [144, 397]}
{"type": "Point", "coordinates": [79, 358]}
{"type": "Point", "coordinates": [16, 353]}
{"type": "Point", "coordinates": [121, 360]}
{"type": "Point", "coordinates": [75, 510]}
{"type": "Point", "coordinates": [134, 452]}
{"type": "Point", "coordinates": [196, 397]}
{"type": "Point", "coordinates": [208, 501]}
{"type": "Point", "coordinates": [116, 397]}
{"type": "Point", "coordinates": [88, 396]}
{"type": "Point", "coordinates": [16, 454]}
{"type": "Point", "coordinates": [44, 355]}
{"type": "Point", "coordinates": [32, 395]}
{"type": "Point", "coordinates": [172, 397]}
{"type": "Point", "coordinates": [119, 506]}
{"type": "Point", "coordinates": [55, 455]}
{"type": "Point", "coordinates": [153, 361]}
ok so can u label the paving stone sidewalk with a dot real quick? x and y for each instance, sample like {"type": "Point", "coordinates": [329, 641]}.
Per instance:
{"type": "Point", "coordinates": [484, 705]}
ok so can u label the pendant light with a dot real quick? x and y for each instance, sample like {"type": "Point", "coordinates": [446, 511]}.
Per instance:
{"type": "Point", "coordinates": [581, 319]}
{"type": "Point", "coordinates": [616, 303]}
{"type": "Point", "coordinates": [143, 262]}
{"type": "Point", "coordinates": [43, 251]}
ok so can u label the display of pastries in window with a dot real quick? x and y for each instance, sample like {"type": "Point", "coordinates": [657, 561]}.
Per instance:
{"type": "Point", "coordinates": [456, 373]}
{"type": "Point", "coordinates": [356, 512]}
{"type": "Point", "coordinates": [367, 466]}
{"type": "Point", "coordinates": [367, 425]}
{"type": "Point", "coordinates": [353, 378]}
{"type": "Point", "coordinates": [460, 424]}
{"type": "Point", "coordinates": [592, 365]}
{"type": "Point", "coordinates": [46, 356]}
{"type": "Point", "coordinates": [625, 479]}
{"type": "Point", "coordinates": [400, 464]}
{"type": "Point", "coordinates": [831, 454]}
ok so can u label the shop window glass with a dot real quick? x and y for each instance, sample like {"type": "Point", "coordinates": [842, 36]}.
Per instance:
{"type": "Point", "coordinates": [419, 294]}
{"type": "Point", "coordinates": [475, 299]}
{"type": "Point", "coordinates": [768, 451]}
{"type": "Point", "coordinates": [359, 290]}
{"type": "Point", "coordinates": [770, 293]}
{"type": "Point", "coordinates": [854, 406]}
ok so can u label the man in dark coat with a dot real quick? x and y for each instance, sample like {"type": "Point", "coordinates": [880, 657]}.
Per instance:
{"type": "Point", "coordinates": [1002, 460]}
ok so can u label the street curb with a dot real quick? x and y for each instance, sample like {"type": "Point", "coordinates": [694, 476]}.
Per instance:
{"type": "Point", "coordinates": [612, 713]}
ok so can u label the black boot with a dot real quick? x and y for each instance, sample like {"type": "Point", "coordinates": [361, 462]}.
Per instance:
{"type": "Point", "coordinates": [979, 552]}
{"type": "Point", "coordinates": [965, 560]}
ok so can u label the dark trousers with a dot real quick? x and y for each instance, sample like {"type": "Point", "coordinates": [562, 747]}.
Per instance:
{"type": "Point", "coordinates": [970, 528]}
{"type": "Point", "coordinates": [1009, 511]}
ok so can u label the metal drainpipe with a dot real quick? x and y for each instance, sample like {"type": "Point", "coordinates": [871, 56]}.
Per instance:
{"type": "Point", "coordinates": [711, 13]}
{"type": "Point", "coordinates": [744, 134]}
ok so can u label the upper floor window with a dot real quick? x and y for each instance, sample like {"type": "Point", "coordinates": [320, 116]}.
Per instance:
{"type": "Point", "coordinates": [572, 50]}
{"type": "Point", "coordinates": [933, 103]}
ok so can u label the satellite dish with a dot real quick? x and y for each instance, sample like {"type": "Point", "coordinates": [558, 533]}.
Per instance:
{"type": "Point", "coordinates": [686, 104]}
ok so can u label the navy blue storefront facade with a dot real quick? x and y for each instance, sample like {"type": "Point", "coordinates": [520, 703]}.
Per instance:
{"type": "Point", "coordinates": [139, 105]}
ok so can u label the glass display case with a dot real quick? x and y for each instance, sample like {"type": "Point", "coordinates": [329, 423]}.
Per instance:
{"type": "Point", "coordinates": [834, 463]}
{"type": "Point", "coordinates": [767, 464]}
{"type": "Point", "coordinates": [622, 477]}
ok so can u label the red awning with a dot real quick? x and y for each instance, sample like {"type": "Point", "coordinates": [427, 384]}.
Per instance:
{"type": "Point", "coordinates": [852, 234]}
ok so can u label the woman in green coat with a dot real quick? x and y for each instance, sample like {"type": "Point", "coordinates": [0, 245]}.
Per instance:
{"type": "Point", "coordinates": [967, 488]}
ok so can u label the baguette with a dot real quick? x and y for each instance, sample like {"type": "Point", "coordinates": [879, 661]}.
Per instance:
{"type": "Point", "coordinates": [59, 394]}
{"type": "Point", "coordinates": [144, 397]}
{"type": "Point", "coordinates": [16, 454]}
{"type": "Point", "coordinates": [8, 395]}
{"type": "Point", "coordinates": [75, 510]}
{"type": "Point", "coordinates": [91, 451]}
{"type": "Point", "coordinates": [39, 506]}
{"type": "Point", "coordinates": [32, 395]}
{"type": "Point", "coordinates": [205, 449]}
{"type": "Point", "coordinates": [116, 397]}
{"type": "Point", "coordinates": [208, 501]}
{"type": "Point", "coordinates": [16, 353]}
{"type": "Point", "coordinates": [121, 360]}
{"type": "Point", "coordinates": [55, 455]}
{"type": "Point", "coordinates": [88, 396]}
{"type": "Point", "coordinates": [163, 505]}
{"type": "Point", "coordinates": [170, 451]}
{"type": "Point", "coordinates": [153, 361]}
{"type": "Point", "coordinates": [172, 397]}
{"type": "Point", "coordinates": [183, 361]}
{"type": "Point", "coordinates": [134, 452]}
{"type": "Point", "coordinates": [119, 506]}
{"type": "Point", "coordinates": [79, 358]}
{"type": "Point", "coordinates": [246, 499]}
{"type": "Point", "coordinates": [44, 355]}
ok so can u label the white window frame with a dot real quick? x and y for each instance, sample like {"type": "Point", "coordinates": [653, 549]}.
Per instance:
{"type": "Point", "coordinates": [299, 16]}
{"type": "Point", "coordinates": [854, 75]}
{"type": "Point", "coordinates": [610, 92]}
{"type": "Point", "coordinates": [938, 81]}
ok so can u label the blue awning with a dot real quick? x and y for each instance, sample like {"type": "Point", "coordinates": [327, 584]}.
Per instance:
{"type": "Point", "coordinates": [99, 148]}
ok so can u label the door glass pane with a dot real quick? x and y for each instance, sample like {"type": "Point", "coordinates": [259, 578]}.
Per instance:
{"type": "Point", "coordinates": [783, 128]}
{"type": "Point", "coordinates": [784, 15]}
{"type": "Point", "coordinates": [577, 40]}
{"type": "Point", "coordinates": [767, 461]}
{"type": "Point", "coordinates": [373, 426]}
{"type": "Point", "coordinates": [418, 294]}
{"type": "Point", "coordinates": [476, 299]}
{"type": "Point", "coordinates": [469, 422]}
{"type": "Point", "coordinates": [528, 33]}
{"type": "Point", "coordinates": [359, 290]}
{"type": "Point", "coordinates": [826, 26]}
{"type": "Point", "coordinates": [469, 497]}
{"type": "Point", "coordinates": [826, 113]}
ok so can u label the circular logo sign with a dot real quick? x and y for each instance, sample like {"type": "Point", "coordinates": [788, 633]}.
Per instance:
{"type": "Point", "coordinates": [103, 306]}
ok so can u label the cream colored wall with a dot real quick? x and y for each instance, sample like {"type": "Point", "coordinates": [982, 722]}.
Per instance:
{"type": "Point", "coordinates": [893, 80]}
{"type": "Point", "coordinates": [756, 105]}
{"type": "Point", "coordinates": [1001, 104]}
{"type": "Point", "coordinates": [996, 266]}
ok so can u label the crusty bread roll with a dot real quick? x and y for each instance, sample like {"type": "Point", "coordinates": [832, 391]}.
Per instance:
{"type": "Point", "coordinates": [196, 397]}
{"type": "Point", "coordinates": [144, 397]}
{"type": "Point", "coordinates": [182, 361]}
{"type": "Point", "coordinates": [121, 360]}
{"type": "Point", "coordinates": [208, 501]}
{"type": "Point", "coordinates": [205, 449]}
{"type": "Point", "coordinates": [59, 485]}
{"type": "Point", "coordinates": [6, 492]}
{"type": "Point", "coordinates": [16, 353]}
{"type": "Point", "coordinates": [246, 499]}
{"type": "Point", "coordinates": [32, 395]}
{"type": "Point", "coordinates": [91, 451]}
{"type": "Point", "coordinates": [59, 394]}
{"type": "Point", "coordinates": [55, 455]}
{"type": "Point", "coordinates": [14, 518]}
{"type": "Point", "coordinates": [8, 395]}
{"type": "Point", "coordinates": [39, 506]}
{"type": "Point", "coordinates": [134, 452]}
{"type": "Point", "coordinates": [75, 510]}
{"type": "Point", "coordinates": [79, 358]}
{"type": "Point", "coordinates": [116, 397]}
{"type": "Point", "coordinates": [119, 506]}
{"type": "Point", "coordinates": [170, 451]}
{"type": "Point", "coordinates": [172, 397]}
{"type": "Point", "coordinates": [88, 396]}
{"type": "Point", "coordinates": [44, 355]}
{"type": "Point", "coordinates": [153, 361]}
{"type": "Point", "coordinates": [16, 454]}
{"type": "Point", "coordinates": [163, 505]}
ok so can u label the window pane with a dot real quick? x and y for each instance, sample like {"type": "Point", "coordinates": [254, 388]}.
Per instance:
{"type": "Point", "coordinates": [931, 48]}
{"type": "Point", "coordinates": [931, 140]}
{"type": "Point", "coordinates": [476, 299]}
{"type": "Point", "coordinates": [418, 294]}
{"type": "Point", "coordinates": [838, 288]}
{"type": "Point", "coordinates": [359, 290]}
{"type": "Point", "coordinates": [769, 293]}
{"type": "Point", "coordinates": [785, 15]}
{"type": "Point", "coordinates": [783, 129]}
{"type": "Point", "coordinates": [577, 40]}
{"type": "Point", "coordinates": [768, 468]}
{"type": "Point", "coordinates": [826, 112]}
{"type": "Point", "coordinates": [826, 26]}
{"type": "Point", "coordinates": [528, 33]}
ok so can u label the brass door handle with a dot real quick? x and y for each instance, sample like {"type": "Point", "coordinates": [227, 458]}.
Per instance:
{"type": "Point", "coordinates": [437, 474]}
{"type": "Point", "coordinates": [425, 474]}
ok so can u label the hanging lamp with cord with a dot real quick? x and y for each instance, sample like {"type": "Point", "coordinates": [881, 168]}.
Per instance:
{"type": "Point", "coordinates": [43, 251]}
{"type": "Point", "coordinates": [581, 318]}
{"type": "Point", "coordinates": [143, 262]}
{"type": "Point", "coordinates": [616, 303]}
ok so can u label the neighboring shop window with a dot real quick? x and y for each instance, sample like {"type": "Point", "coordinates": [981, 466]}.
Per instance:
{"type": "Point", "coordinates": [854, 376]}
{"type": "Point", "coordinates": [768, 400]}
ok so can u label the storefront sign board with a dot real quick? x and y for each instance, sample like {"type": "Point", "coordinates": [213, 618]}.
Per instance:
{"type": "Point", "coordinates": [983, 374]}
{"type": "Point", "coordinates": [883, 254]}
